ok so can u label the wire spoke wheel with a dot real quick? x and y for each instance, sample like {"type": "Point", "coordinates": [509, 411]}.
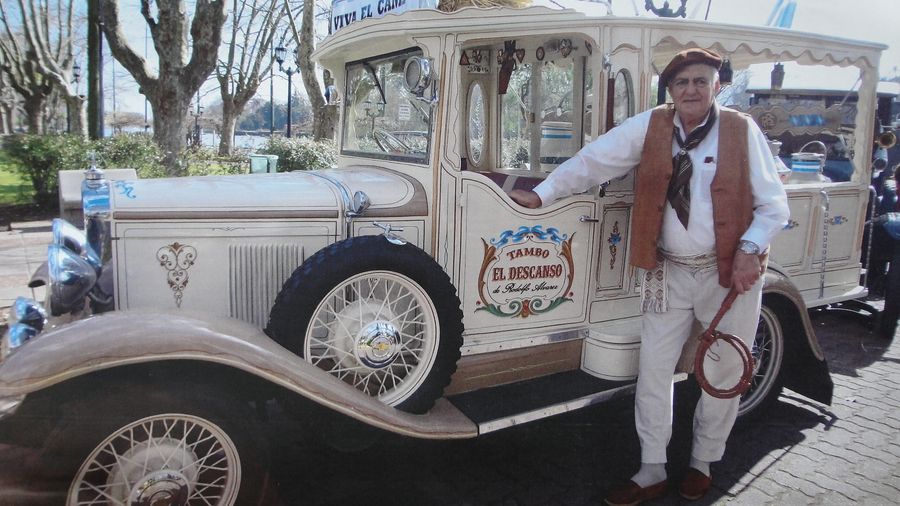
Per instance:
{"type": "Point", "coordinates": [378, 332]}
{"type": "Point", "coordinates": [768, 354]}
{"type": "Point", "coordinates": [170, 459]}
{"type": "Point", "coordinates": [382, 317]}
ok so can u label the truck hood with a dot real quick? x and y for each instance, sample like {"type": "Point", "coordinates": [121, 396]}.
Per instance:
{"type": "Point", "coordinates": [302, 194]}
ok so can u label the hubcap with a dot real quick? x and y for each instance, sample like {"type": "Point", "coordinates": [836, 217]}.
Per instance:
{"type": "Point", "coordinates": [161, 488]}
{"type": "Point", "coordinates": [378, 345]}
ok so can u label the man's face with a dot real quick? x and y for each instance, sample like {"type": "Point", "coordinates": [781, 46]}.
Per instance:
{"type": "Point", "coordinates": [694, 89]}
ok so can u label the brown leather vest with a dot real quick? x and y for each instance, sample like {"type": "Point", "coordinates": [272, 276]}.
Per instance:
{"type": "Point", "coordinates": [732, 196]}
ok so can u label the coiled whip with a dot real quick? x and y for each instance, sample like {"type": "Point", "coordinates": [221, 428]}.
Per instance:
{"type": "Point", "coordinates": [710, 336]}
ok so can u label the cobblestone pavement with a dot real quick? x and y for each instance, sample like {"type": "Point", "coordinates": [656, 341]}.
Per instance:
{"type": "Point", "coordinates": [801, 452]}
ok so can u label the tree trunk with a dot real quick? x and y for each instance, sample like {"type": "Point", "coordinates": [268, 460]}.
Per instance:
{"type": "Point", "coordinates": [34, 110]}
{"type": "Point", "coordinates": [323, 116]}
{"type": "Point", "coordinates": [6, 119]}
{"type": "Point", "coordinates": [77, 115]}
{"type": "Point", "coordinates": [230, 115]}
{"type": "Point", "coordinates": [169, 122]}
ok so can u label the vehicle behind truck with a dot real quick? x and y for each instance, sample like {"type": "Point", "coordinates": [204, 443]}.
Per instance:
{"type": "Point", "coordinates": [403, 288]}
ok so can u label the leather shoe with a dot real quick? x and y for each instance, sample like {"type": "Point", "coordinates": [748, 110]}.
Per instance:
{"type": "Point", "coordinates": [694, 485]}
{"type": "Point", "coordinates": [630, 493]}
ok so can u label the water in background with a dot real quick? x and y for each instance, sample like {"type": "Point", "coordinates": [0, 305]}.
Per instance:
{"type": "Point", "coordinates": [241, 142]}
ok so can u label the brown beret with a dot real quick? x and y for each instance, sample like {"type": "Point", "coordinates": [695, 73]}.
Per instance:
{"type": "Point", "coordinates": [689, 57]}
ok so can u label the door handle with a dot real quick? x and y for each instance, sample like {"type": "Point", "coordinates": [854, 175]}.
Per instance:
{"type": "Point", "coordinates": [587, 219]}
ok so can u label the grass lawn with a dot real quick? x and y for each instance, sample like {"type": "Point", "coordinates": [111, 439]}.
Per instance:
{"type": "Point", "coordinates": [14, 188]}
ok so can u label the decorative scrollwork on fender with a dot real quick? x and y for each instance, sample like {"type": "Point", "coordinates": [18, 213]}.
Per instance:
{"type": "Point", "coordinates": [176, 259]}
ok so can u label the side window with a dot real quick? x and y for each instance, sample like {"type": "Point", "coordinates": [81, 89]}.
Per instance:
{"type": "Point", "coordinates": [587, 117]}
{"type": "Point", "coordinates": [516, 120]}
{"type": "Point", "coordinates": [477, 124]}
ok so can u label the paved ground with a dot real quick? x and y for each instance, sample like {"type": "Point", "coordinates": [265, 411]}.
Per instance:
{"type": "Point", "coordinates": [22, 250]}
{"type": "Point", "coordinates": [801, 453]}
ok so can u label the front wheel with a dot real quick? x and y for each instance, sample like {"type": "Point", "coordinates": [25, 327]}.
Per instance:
{"type": "Point", "coordinates": [382, 317]}
{"type": "Point", "coordinates": [131, 444]}
{"type": "Point", "coordinates": [767, 350]}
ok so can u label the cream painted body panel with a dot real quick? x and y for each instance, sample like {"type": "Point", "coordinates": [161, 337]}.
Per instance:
{"type": "Point", "coordinates": [257, 193]}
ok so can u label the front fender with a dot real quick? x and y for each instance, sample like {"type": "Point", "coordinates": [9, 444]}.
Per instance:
{"type": "Point", "coordinates": [123, 338]}
{"type": "Point", "coordinates": [804, 370]}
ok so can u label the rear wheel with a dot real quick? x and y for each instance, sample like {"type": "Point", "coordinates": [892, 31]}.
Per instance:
{"type": "Point", "coordinates": [768, 355]}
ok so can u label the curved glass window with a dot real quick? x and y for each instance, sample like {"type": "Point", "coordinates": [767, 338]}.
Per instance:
{"type": "Point", "coordinates": [477, 120]}
{"type": "Point", "coordinates": [623, 99]}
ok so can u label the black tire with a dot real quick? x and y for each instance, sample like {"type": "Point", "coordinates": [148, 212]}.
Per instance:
{"type": "Point", "coordinates": [768, 350]}
{"type": "Point", "coordinates": [369, 276]}
{"type": "Point", "coordinates": [214, 442]}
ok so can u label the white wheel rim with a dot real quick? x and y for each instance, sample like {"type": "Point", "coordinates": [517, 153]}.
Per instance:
{"type": "Point", "coordinates": [162, 459]}
{"type": "Point", "coordinates": [376, 331]}
{"type": "Point", "coordinates": [767, 352]}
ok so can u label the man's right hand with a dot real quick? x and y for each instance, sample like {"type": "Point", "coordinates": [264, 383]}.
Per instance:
{"type": "Point", "coordinates": [526, 198]}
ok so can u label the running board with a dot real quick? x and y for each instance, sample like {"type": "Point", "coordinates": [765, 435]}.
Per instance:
{"type": "Point", "coordinates": [505, 406]}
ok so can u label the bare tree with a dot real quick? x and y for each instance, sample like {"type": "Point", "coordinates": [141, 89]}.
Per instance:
{"type": "Point", "coordinates": [44, 35]}
{"type": "Point", "coordinates": [324, 115]}
{"type": "Point", "coordinates": [180, 74]}
{"type": "Point", "coordinates": [8, 102]}
{"type": "Point", "coordinates": [254, 29]}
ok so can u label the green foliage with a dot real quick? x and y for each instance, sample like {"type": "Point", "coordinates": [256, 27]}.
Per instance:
{"type": "Point", "coordinates": [206, 162]}
{"type": "Point", "coordinates": [32, 161]}
{"type": "Point", "coordinates": [14, 188]}
{"type": "Point", "coordinates": [40, 157]}
{"type": "Point", "coordinates": [301, 154]}
{"type": "Point", "coordinates": [132, 151]}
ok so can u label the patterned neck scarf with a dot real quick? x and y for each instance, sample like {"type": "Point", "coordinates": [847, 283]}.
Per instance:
{"type": "Point", "coordinates": [679, 193]}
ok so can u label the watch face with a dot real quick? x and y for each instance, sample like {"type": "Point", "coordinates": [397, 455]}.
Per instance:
{"type": "Point", "coordinates": [749, 248]}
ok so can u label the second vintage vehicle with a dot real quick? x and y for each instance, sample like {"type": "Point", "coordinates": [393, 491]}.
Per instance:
{"type": "Point", "coordinates": [404, 288]}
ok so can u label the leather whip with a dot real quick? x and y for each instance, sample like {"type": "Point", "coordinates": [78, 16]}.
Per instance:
{"type": "Point", "coordinates": [710, 336]}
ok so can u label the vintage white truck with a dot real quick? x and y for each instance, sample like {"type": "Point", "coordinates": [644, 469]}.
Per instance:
{"type": "Point", "coordinates": [403, 288]}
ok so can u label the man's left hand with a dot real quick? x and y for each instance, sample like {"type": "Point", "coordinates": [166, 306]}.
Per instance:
{"type": "Point", "coordinates": [745, 271]}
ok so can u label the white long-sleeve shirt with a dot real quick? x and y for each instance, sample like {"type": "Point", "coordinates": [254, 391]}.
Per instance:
{"type": "Point", "coordinates": [618, 151]}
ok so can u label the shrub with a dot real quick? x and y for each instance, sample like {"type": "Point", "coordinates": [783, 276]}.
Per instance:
{"type": "Point", "coordinates": [134, 151]}
{"type": "Point", "coordinates": [301, 154]}
{"type": "Point", "coordinates": [207, 162]}
{"type": "Point", "coordinates": [40, 157]}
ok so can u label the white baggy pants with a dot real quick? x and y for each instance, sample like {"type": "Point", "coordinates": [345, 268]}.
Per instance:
{"type": "Point", "coordinates": [691, 294]}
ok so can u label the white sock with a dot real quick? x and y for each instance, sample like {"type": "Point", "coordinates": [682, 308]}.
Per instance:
{"type": "Point", "coordinates": [700, 465]}
{"type": "Point", "coordinates": [649, 474]}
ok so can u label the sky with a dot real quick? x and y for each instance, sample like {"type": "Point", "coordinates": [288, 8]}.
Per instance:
{"type": "Point", "coordinates": [870, 20]}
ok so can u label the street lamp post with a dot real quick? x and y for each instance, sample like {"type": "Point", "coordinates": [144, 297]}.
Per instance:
{"type": "Point", "coordinates": [76, 77]}
{"type": "Point", "coordinates": [280, 52]}
{"type": "Point", "coordinates": [197, 115]}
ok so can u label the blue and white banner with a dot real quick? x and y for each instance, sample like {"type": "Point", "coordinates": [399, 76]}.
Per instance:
{"type": "Point", "coordinates": [345, 12]}
{"type": "Point", "coordinates": [782, 15]}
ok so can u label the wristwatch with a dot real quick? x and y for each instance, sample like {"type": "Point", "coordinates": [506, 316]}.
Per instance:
{"type": "Point", "coordinates": [748, 247]}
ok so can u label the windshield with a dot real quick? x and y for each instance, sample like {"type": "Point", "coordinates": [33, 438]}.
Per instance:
{"type": "Point", "coordinates": [381, 118]}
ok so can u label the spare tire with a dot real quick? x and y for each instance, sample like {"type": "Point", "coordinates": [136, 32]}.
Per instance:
{"type": "Point", "coordinates": [380, 316]}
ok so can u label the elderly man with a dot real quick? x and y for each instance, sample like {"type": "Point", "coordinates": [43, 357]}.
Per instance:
{"type": "Point", "coordinates": [708, 202]}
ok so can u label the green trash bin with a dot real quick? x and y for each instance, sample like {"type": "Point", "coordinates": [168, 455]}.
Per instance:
{"type": "Point", "coordinates": [260, 164]}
